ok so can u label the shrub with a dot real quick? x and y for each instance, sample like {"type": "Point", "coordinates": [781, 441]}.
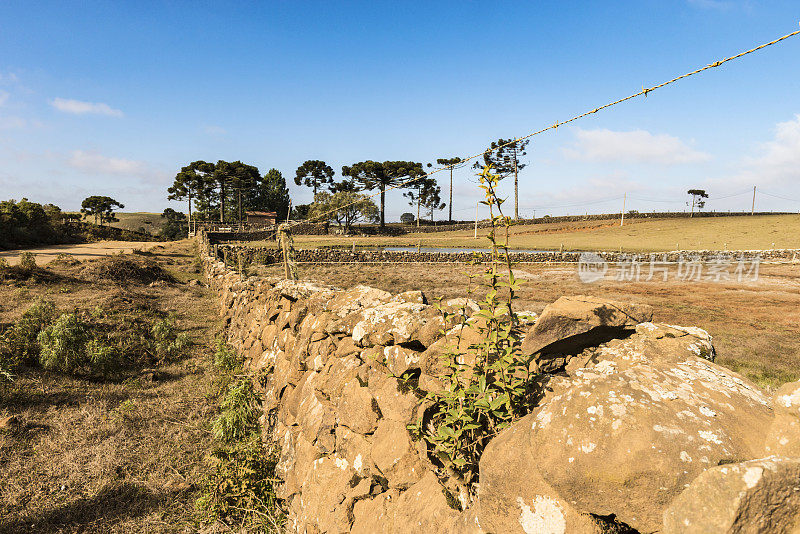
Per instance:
{"type": "Point", "coordinates": [240, 488]}
{"type": "Point", "coordinates": [484, 396]}
{"type": "Point", "coordinates": [27, 261]}
{"type": "Point", "coordinates": [166, 343]}
{"type": "Point", "coordinates": [226, 358]}
{"type": "Point", "coordinates": [63, 344]}
{"type": "Point", "coordinates": [239, 415]}
{"type": "Point", "coordinates": [18, 344]}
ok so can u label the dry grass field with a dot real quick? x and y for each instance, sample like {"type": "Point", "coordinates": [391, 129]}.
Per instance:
{"type": "Point", "coordinates": [119, 455]}
{"type": "Point", "coordinates": [754, 324]}
{"type": "Point", "coordinates": [637, 235]}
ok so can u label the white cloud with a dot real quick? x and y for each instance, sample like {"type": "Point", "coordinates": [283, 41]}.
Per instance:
{"type": "Point", "coordinates": [95, 163]}
{"type": "Point", "coordinates": [78, 107]}
{"type": "Point", "coordinates": [3, 97]}
{"type": "Point", "coordinates": [779, 159]}
{"type": "Point", "coordinates": [637, 146]}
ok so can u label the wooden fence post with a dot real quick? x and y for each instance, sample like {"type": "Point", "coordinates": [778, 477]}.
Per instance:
{"type": "Point", "coordinates": [287, 248]}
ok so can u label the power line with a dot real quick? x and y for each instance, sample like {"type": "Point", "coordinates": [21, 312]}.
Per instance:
{"type": "Point", "coordinates": [554, 126]}
{"type": "Point", "coordinates": [778, 196]}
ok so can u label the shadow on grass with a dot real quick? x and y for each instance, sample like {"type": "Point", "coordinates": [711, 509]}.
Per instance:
{"type": "Point", "coordinates": [91, 514]}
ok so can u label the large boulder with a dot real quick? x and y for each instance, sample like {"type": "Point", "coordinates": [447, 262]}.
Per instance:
{"type": "Point", "coordinates": [571, 324]}
{"type": "Point", "coordinates": [514, 498]}
{"type": "Point", "coordinates": [640, 420]}
{"type": "Point", "coordinates": [783, 438]}
{"type": "Point", "coordinates": [756, 496]}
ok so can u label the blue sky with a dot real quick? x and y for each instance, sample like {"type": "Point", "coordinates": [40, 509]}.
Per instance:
{"type": "Point", "coordinates": [113, 98]}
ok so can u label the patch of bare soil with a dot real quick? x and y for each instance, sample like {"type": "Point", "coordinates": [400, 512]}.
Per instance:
{"type": "Point", "coordinates": [86, 455]}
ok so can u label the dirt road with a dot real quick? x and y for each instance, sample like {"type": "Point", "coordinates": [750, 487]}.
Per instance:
{"type": "Point", "coordinates": [82, 251]}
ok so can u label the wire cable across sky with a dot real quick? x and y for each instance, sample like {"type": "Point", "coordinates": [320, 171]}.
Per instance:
{"type": "Point", "coordinates": [643, 92]}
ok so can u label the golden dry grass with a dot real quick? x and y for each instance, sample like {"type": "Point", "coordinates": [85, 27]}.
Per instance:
{"type": "Point", "coordinates": [95, 456]}
{"type": "Point", "coordinates": [754, 324]}
{"type": "Point", "coordinates": [637, 235]}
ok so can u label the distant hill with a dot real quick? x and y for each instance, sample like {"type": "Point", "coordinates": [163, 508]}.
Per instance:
{"type": "Point", "coordinates": [142, 221]}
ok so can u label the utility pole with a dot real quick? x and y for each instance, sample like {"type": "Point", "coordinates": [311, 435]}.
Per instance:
{"type": "Point", "coordinates": [753, 209]}
{"type": "Point", "coordinates": [516, 187]}
{"type": "Point", "coordinates": [450, 215]}
{"type": "Point", "coordinates": [624, 198]}
{"type": "Point", "coordinates": [476, 219]}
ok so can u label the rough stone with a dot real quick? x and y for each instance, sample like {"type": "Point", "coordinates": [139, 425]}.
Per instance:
{"type": "Point", "coordinates": [570, 324]}
{"type": "Point", "coordinates": [357, 409]}
{"type": "Point", "coordinates": [400, 359]}
{"type": "Point", "coordinates": [395, 454]}
{"type": "Point", "coordinates": [639, 423]}
{"type": "Point", "coordinates": [749, 497]}
{"type": "Point", "coordinates": [783, 437]}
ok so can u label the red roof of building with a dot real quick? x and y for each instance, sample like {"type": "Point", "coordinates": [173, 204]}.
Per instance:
{"type": "Point", "coordinates": [262, 213]}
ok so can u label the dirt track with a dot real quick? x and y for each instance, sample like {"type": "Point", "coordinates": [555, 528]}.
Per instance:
{"type": "Point", "coordinates": [82, 252]}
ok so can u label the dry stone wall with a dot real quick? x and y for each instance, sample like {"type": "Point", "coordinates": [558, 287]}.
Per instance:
{"type": "Point", "coordinates": [263, 255]}
{"type": "Point", "coordinates": [635, 418]}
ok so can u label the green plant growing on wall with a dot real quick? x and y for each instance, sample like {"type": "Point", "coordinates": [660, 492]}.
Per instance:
{"type": "Point", "coordinates": [489, 386]}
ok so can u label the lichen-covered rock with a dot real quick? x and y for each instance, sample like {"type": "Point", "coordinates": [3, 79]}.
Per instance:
{"type": "Point", "coordinates": [356, 298]}
{"type": "Point", "coordinates": [396, 455]}
{"type": "Point", "coordinates": [356, 449]}
{"type": "Point", "coordinates": [513, 496]}
{"type": "Point", "coordinates": [756, 496]}
{"type": "Point", "coordinates": [410, 296]}
{"type": "Point", "coordinates": [396, 402]}
{"type": "Point", "coordinates": [570, 324]}
{"type": "Point", "coordinates": [424, 508]}
{"type": "Point", "coordinates": [400, 359]}
{"type": "Point", "coordinates": [783, 438]}
{"type": "Point", "coordinates": [396, 323]}
{"type": "Point", "coordinates": [627, 432]}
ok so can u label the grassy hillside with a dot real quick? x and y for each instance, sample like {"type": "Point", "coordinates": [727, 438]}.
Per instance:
{"type": "Point", "coordinates": [151, 222]}
{"type": "Point", "coordinates": [637, 235]}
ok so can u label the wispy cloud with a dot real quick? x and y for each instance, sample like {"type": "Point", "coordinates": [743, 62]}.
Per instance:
{"type": "Point", "coordinates": [778, 162]}
{"type": "Point", "coordinates": [12, 123]}
{"type": "Point", "coordinates": [95, 163]}
{"type": "Point", "coordinates": [3, 97]}
{"type": "Point", "coordinates": [8, 78]}
{"type": "Point", "coordinates": [78, 107]}
{"type": "Point", "coordinates": [637, 146]}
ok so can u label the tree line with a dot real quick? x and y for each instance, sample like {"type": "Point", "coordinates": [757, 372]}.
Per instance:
{"type": "Point", "coordinates": [225, 191]}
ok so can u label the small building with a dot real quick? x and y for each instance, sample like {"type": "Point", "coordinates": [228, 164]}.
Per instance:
{"type": "Point", "coordinates": [261, 218]}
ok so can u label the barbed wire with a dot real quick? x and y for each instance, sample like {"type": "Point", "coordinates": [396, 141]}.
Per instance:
{"type": "Point", "coordinates": [643, 92]}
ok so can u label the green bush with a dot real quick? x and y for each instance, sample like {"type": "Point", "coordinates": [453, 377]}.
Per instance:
{"type": "Point", "coordinates": [240, 488]}
{"type": "Point", "coordinates": [63, 345]}
{"type": "Point", "coordinates": [166, 343]}
{"type": "Point", "coordinates": [27, 261]}
{"type": "Point", "coordinates": [483, 397]}
{"type": "Point", "coordinates": [239, 415]}
{"type": "Point", "coordinates": [18, 344]}
{"type": "Point", "coordinates": [226, 358]}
